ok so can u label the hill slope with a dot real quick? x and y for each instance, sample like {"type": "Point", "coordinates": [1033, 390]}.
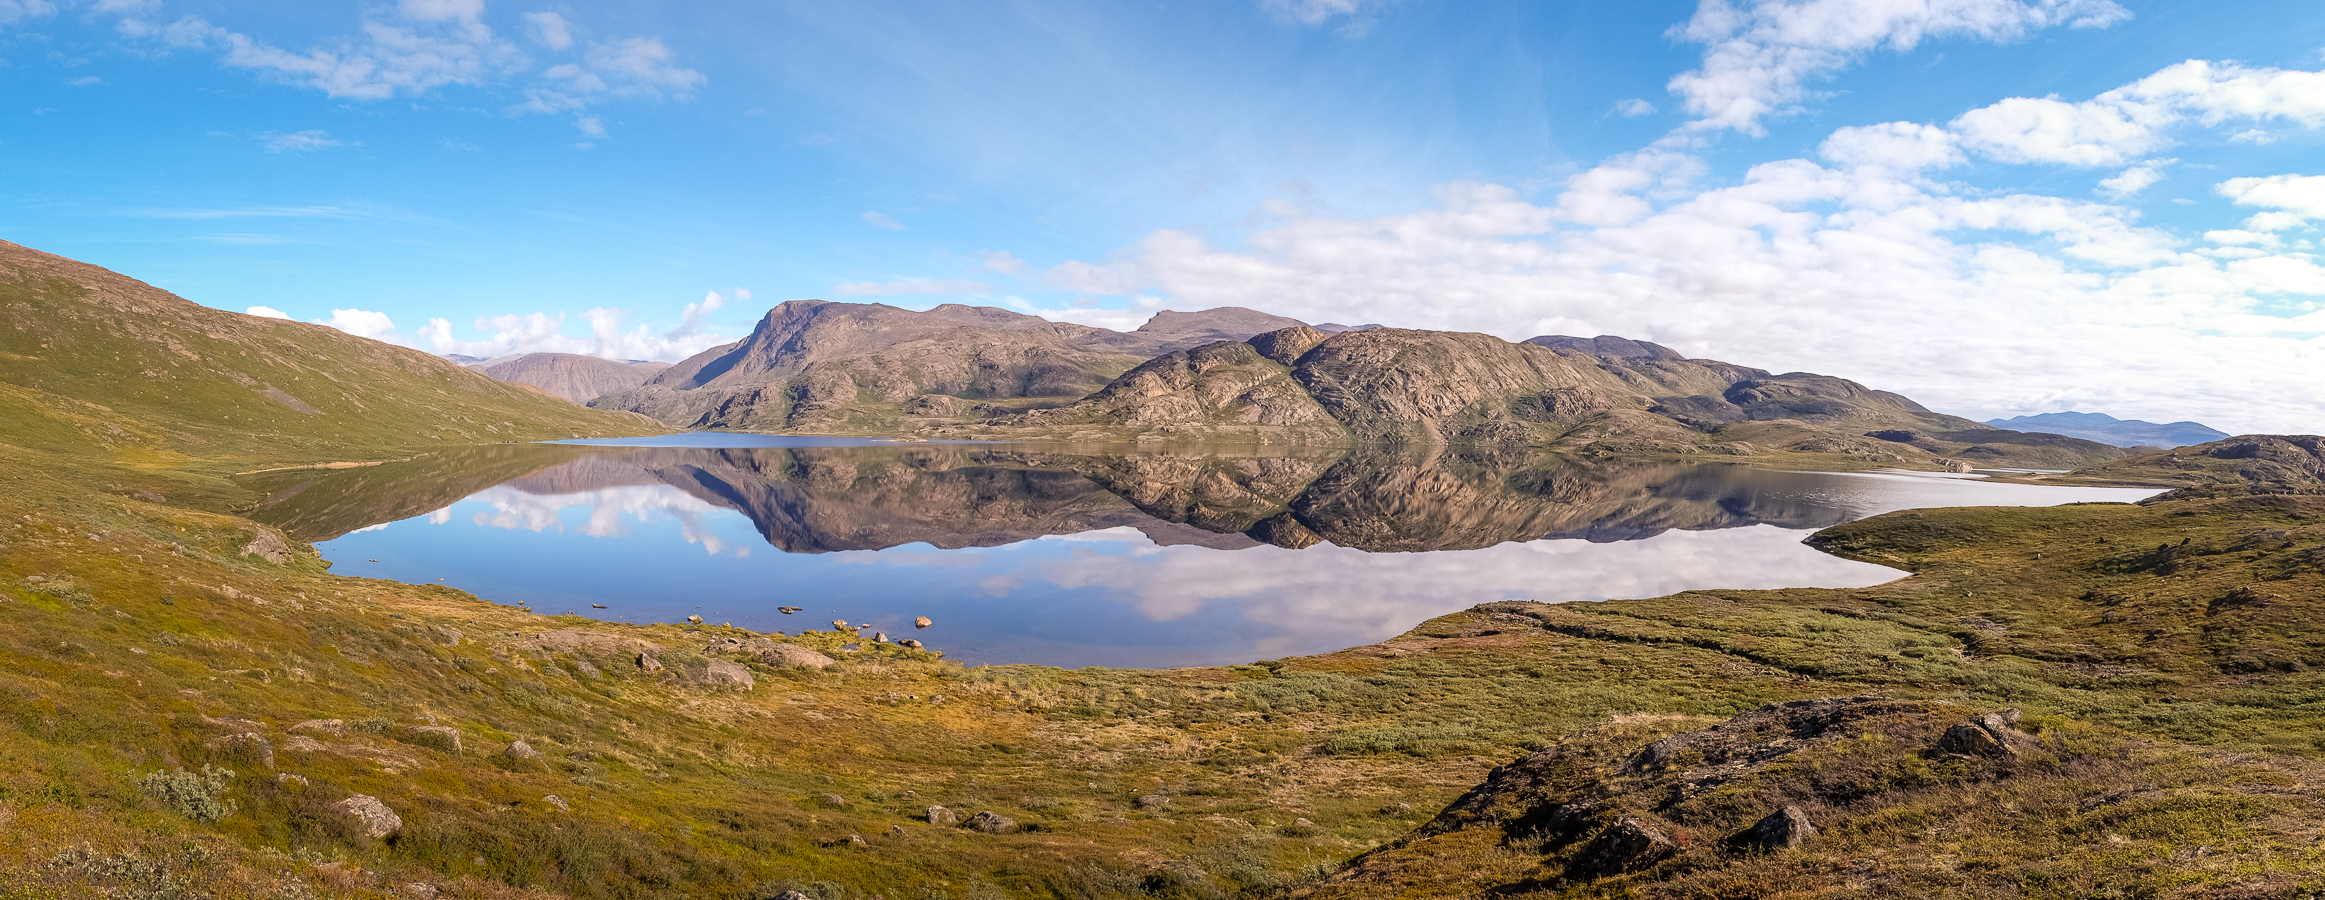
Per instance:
{"type": "Point", "coordinates": [97, 364]}
{"type": "Point", "coordinates": [2108, 429]}
{"type": "Point", "coordinates": [572, 376]}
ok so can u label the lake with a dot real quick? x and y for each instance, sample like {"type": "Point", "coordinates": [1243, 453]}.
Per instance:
{"type": "Point", "coordinates": [1078, 556]}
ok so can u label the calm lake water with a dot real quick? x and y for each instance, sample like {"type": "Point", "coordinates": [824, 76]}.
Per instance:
{"type": "Point", "coordinates": [1079, 557]}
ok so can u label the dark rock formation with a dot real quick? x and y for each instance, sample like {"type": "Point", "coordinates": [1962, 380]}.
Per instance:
{"type": "Point", "coordinates": [1628, 844]}
{"type": "Point", "coordinates": [1783, 829]}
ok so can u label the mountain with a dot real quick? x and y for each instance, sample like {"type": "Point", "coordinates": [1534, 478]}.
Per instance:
{"type": "Point", "coordinates": [572, 376]}
{"type": "Point", "coordinates": [1604, 395]}
{"type": "Point", "coordinates": [91, 360]}
{"type": "Point", "coordinates": [1607, 345]}
{"type": "Point", "coordinates": [2108, 429]}
{"type": "Point", "coordinates": [817, 366]}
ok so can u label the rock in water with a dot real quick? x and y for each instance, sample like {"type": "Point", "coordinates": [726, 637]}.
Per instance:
{"type": "Point", "coordinates": [921, 622]}
{"type": "Point", "coordinates": [992, 822]}
{"type": "Point", "coordinates": [372, 817]}
{"type": "Point", "coordinates": [1780, 830]}
{"type": "Point", "coordinates": [1628, 845]}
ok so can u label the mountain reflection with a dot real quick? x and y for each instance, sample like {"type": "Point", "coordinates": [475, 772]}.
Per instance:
{"type": "Point", "coordinates": [831, 499]}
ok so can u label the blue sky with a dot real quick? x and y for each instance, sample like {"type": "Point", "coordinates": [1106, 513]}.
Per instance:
{"type": "Point", "coordinates": [1994, 206]}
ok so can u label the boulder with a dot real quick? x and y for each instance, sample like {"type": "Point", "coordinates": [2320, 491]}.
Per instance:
{"type": "Point", "coordinates": [910, 643]}
{"type": "Point", "coordinates": [793, 655]}
{"type": "Point", "coordinates": [719, 673]}
{"type": "Point", "coordinates": [520, 750]}
{"type": "Point", "coordinates": [1628, 845]}
{"type": "Point", "coordinates": [1153, 801]}
{"type": "Point", "coordinates": [441, 737]}
{"type": "Point", "coordinates": [921, 622]}
{"type": "Point", "coordinates": [991, 822]}
{"type": "Point", "coordinates": [694, 620]}
{"type": "Point", "coordinates": [938, 815]}
{"type": "Point", "coordinates": [647, 662]}
{"type": "Point", "coordinates": [1783, 829]}
{"type": "Point", "coordinates": [1992, 735]}
{"type": "Point", "coordinates": [787, 610]}
{"type": "Point", "coordinates": [371, 817]}
{"type": "Point", "coordinates": [832, 800]}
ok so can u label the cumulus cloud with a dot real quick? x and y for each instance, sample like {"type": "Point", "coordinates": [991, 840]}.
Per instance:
{"type": "Point", "coordinates": [2135, 179]}
{"type": "Point", "coordinates": [2130, 121]}
{"type": "Point", "coordinates": [1760, 55]}
{"type": "Point", "coordinates": [301, 141]}
{"type": "Point", "coordinates": [364, 323]}
{"type": "Point", "coordinates": [880, 219]}
{"type": "Point", "coordinates": [2295, 199]}
{"type": "Point", "coordinates": [268, 312]}
{"type": "Point", "coordinates": [1856, 265]}
{"type": "Point", "coordinates": [1634, 108]}
{"type": "Point", "coordinates": [905, 288]}
{"type": "Point", "coordinates": [610, 334]}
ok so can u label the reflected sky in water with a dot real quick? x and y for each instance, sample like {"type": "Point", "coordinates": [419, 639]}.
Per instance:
{"type": "Point", "coordinates": [1070, 557]}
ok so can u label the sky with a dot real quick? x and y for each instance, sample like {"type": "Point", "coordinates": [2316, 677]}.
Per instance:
{"type": "Point", "coordinates": [1996, 207]}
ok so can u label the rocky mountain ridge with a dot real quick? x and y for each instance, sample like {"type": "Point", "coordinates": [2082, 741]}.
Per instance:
{"type": "Point", "coordinates": [2108, 429]}
{"type": "Point", "coordinates": [1603, 396]}
{"type": "Point", "coordinates": [573, 376]}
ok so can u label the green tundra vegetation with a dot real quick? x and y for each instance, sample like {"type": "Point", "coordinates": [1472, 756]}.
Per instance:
{"type": "Point", "coordinates": [194, 706]}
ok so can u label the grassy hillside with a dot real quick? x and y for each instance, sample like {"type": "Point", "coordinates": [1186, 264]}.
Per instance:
{"type": "Point", "coordinates": [152, 641]}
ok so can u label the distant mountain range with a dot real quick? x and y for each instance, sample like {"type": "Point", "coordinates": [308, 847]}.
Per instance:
{"type": "Point", "coordinates": [2108, 429]}
{"type": "Point", "coordinates": [1240, 375]}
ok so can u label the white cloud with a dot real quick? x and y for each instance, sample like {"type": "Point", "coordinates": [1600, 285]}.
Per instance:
{"type": "Point", "coordinates": [1634, 108]}
{"type": "Point", "coordinates": [881, 220]}
{"type": "Point", "coordinates": [1902, 147]}
{"type": "Point", "coordinates": [364, 323]}
{"type": "Point", "coordinates": [2298, 199]}
{"type": "Point", "coordinates": [1003, 262]}
{"type": "Point", "coordinates": [2125, 123]}
{"type": "Point", "coordinates": [2135, 179]}
{"type": "Point", "coordinates": [301, 141]}
{"type": "Point", "coordinates": [434, 44]}
{"type": "Point", "coordinates": [267, 312]}
{"type": "Point", "coordinates": [1860, 268]}
{"type": "Point", "coordinates": [904, 288]}
{"type": "Point", "coordinates": [631, 67]}
{"type": "Point", "coordinates": [1759, 55]}
{"type": "Point", "coordinates": [14, 11]}
{"type": "Point", "coordinates": [550, 29]}
{"type": "Point", "coordinates": [84, 81]}
{"type": "Point", "coordinates": [610, 335]}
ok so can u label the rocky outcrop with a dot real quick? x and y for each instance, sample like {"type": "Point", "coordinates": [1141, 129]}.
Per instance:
{"type": "Point", "coordinates": [370, 817]}
{"type": "Point", "coordinates": [571, 376]}
{"type": "Point", "coordinates": [2246, 465]}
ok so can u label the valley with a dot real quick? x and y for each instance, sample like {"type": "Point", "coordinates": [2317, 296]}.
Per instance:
{"type": "Point", "coordinates": [198, 705]}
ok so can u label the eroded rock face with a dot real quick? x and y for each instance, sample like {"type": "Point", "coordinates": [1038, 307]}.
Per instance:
{"type": "Point", "coordinates": [268, 544]}
{"type": "Point", "coordinates": [371, 817]}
